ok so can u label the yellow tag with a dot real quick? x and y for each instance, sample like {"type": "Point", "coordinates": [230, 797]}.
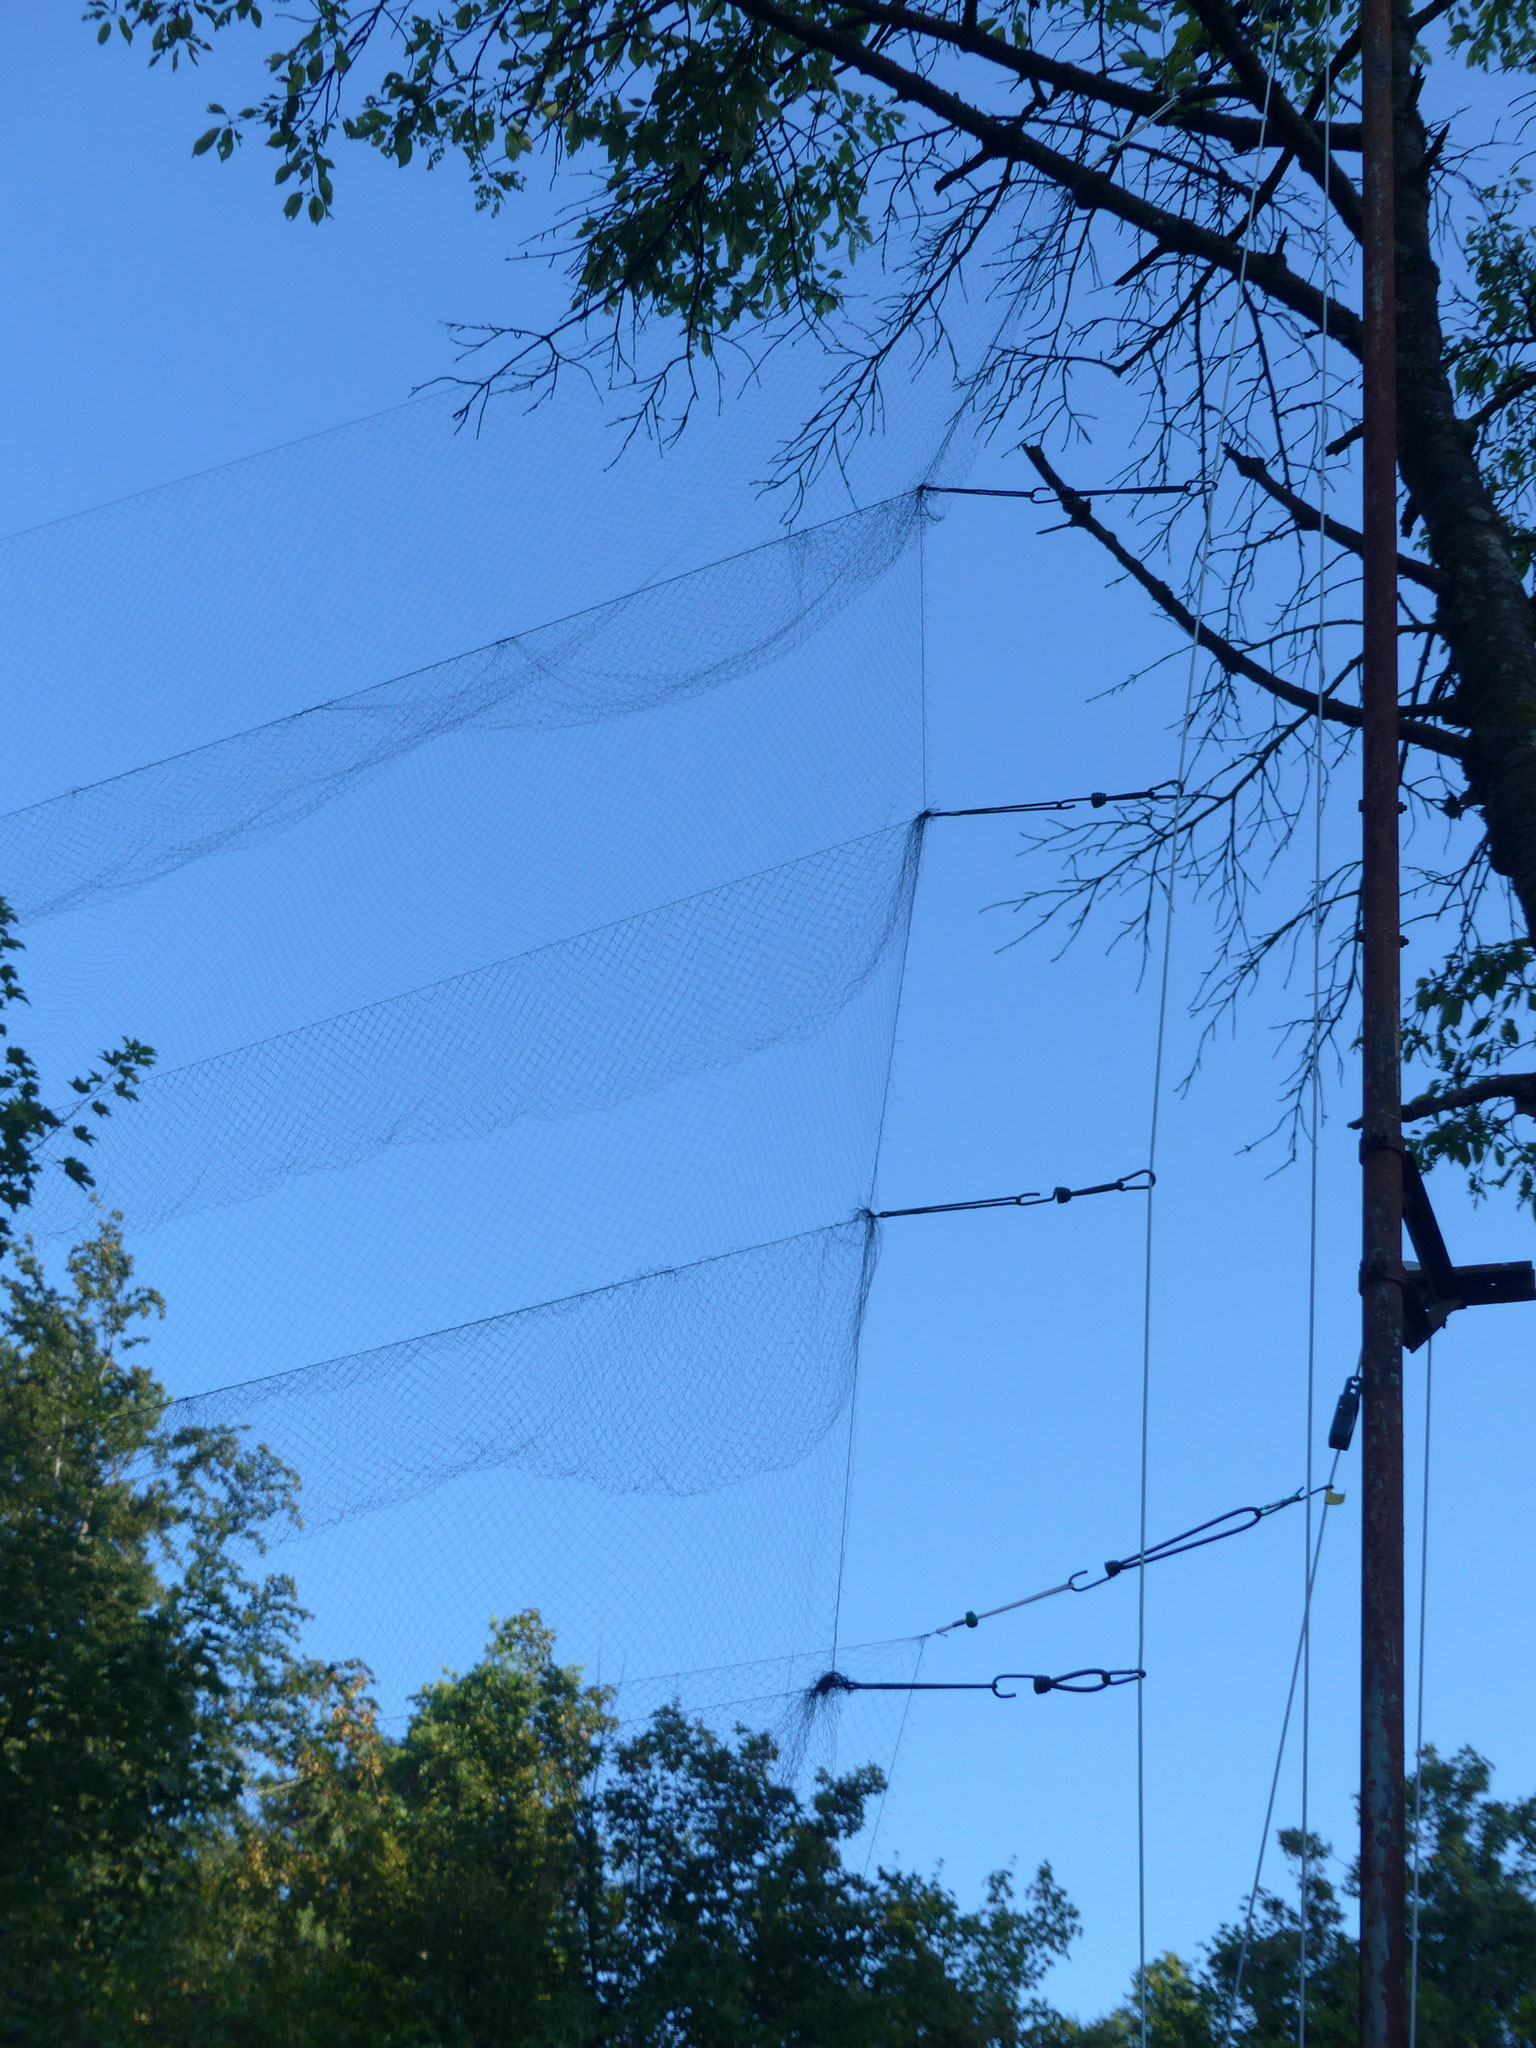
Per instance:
{"type": "Point", "coordinates": [1334, 1500]}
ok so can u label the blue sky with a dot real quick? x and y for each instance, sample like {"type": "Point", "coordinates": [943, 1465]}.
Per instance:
{"type": "Point", "coordinates": [165, 320]}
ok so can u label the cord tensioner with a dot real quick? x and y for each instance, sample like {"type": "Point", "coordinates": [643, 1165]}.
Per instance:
{"type": "Point", "coordinates": [1092, 1679]}
{"type": "Point", "coordinates": [1138, 1183]}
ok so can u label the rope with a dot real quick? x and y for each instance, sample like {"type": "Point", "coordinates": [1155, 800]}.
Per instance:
{"type": "Point", "coordinates": [1315, 1049]}
{"type": "Point", "coordinates": [1195, 1538]}
{"type": "Point", "coordinates": [1330, 1499]}
{"type": "Point", "coordinates": [1418, 1737]}
{"type": "Point", "coordinates": [1098, 798]}
{"type": "Point", "coordinates": [1197, 622]}
{"type": "Point", "coordinates": [1094, 1678]}
{"type": "Point", "coordinates": [1137, 1183]}
{"type": "Point", "coordinates": [1042, 495]}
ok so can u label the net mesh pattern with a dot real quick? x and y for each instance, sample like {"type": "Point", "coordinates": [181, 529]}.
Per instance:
{"type": "Point", "coordinates": [677, 1382]}
{"type": "Point", "coordinates": [658, 646]}
{"type": "Point", "coordinates": [692, 1094]}
{"type": "Point", "coordinates": [566, 1029]}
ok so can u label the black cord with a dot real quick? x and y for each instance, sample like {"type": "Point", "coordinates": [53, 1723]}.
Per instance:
{"type": "Point", "coordinates": [1098, 798]}
{"type": "Point", "coordinates": [1136, 1183]}
{"type": "Point", "coordinates": [1042, 494]}
{"type": "Point", "coordinates": [1097, 1680]}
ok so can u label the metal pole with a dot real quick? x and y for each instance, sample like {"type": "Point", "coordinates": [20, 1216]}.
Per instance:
{"type": "Point", "coordinates": [1383, 2014]}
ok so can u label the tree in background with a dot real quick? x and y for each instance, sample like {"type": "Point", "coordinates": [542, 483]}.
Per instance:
{"type": "Point", "coordinates": [433, 1888]}
{"type": "Point", "coordinates": [1163, 208]}
{"type": "Point", "coordinates": [733, 1921]}
{"type": "Point", "coordinates": [33, 1136]}
{"type": "Point", "coordinates": [497, 1875]}
{"type": "Point", "coordinates": [1477, 1940]}
{"type": "Point", "coordinates": [144, 1669]}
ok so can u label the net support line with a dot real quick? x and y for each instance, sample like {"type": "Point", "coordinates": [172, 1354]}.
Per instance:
{"type": "Point", "coordinates": [1185, 723]}
{"type": "Point", "coordinates": [1274, 1780]}
{"type": "Point", "coordinates": [1315, 1091]}
{"type": "Point", "coordinates": [1415, 1896]}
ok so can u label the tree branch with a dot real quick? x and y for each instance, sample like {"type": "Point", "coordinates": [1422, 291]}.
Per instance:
{"type": "Point", "coordinates": [1309, 519]}
{"type": "Point", "coordinates": [1096, 190]}
{"type": "Point", "coordinates": [1513, 387]}
{"type": "Point", "coordinates": [1288, 125]}
{"type": "Point", "coordinates": [1520, 1089]}
{"type": "Point", "coordinates": [1242, 131]}
{"type": "Point", "coordinates": [1231, 658]}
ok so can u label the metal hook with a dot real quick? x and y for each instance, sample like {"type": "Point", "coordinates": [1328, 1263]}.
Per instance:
{"type": "Point", "coordinates": [1099, 1680]}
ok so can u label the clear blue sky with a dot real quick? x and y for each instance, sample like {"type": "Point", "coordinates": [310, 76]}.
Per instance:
{"type": "Point", "coordinates": [164, 320]}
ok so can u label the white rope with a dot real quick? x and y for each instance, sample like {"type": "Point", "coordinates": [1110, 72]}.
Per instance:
{"type": "Point", "coordinates": [1274, 1781]}
{"type": "Point", "coordinates": [901, 1729]}
{"type": "Point", "coordinates": [1207, 533]}
{"type": "Point", "coordinates": [1315, 1107]}
{"type": "Point", "coordinates": [1418, 1736]}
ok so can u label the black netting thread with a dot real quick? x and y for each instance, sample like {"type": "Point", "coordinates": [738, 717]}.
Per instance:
{"type": "Point", "coordinates": [581, 1025]}
{"type": "Point", "coordinates": [659, 645]}
{"type": "Point", "coordinates": [679, 1382]}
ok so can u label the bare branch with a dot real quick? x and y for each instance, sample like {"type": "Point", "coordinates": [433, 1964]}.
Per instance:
{"type": "Point", "coordinates": [1308, 519]}
{"type": "Point", "coordinates": [1230, 658]}
{"type": "Point", "coordinates": [1289, 125]}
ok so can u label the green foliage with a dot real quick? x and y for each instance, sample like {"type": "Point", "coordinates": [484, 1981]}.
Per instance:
{"type": "Point", "coordinates": [141, 1666]}
{"type": "Point", "coordinates": [1477, 1927]}
{"type": "Point", "coordinates": [735, 1923]}
{"type": "Point", "coordinates": [26, 1121]}
{"type": "Point", "coordinates": [1490, 360]}
{"type": "Point", "coordinates": [1468, 1024]}
{"type": "Point", "coordinates": [489, 1879]}
{"type": "Point", "coordinates": [735, 160]}
{"type": "Point", "coordinates": [423, 1890]}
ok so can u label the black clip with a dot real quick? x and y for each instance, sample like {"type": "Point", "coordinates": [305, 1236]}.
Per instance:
{"type": "Point", "coordinates": [1342, 1429]}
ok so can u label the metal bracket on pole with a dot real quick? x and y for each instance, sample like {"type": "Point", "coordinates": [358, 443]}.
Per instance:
{"type": "Point", "coordinates": [1435, 1288]}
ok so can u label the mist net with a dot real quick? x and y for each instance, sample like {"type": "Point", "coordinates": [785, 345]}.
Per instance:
{"type": "Point", "coordinates": [524, 1027]}
{"type": "Point", "coordinates": [653, 647]}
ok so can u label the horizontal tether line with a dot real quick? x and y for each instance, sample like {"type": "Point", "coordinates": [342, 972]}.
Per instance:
{"type": "Point", "coordinates": [1233, 1523]}
{"type": "Point", "coordinates": [1092, 1679]}
{"type": "Point", "coordinates": [1098, 798]}
{"type": "Point", "coordinates": [1136, 1183]}
{"type": "Point", "coordinates": [1041, 494]}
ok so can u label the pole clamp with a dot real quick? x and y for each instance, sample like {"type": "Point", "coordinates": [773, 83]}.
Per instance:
{"type": "Point", "coordinates": [1382, 1141]}
{"type": "Point", "coordinates": [1378, 1266]}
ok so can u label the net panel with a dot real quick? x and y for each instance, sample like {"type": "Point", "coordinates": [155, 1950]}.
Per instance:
{"type": "Point", "coordinates": [525, 1158]}
{"type": "Point", "coordinates": [565, 1030]}
{"type": "Point", "coordinates": [677, 1382]}
{"type": "Point", "coordinates": [657, 646]}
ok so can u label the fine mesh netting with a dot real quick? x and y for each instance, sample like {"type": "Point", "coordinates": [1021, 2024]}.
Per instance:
{"type": "Point", "coordinates": [756, 1350]}
{"type": "Point", "coordinates": [577, 1026]}
{"type": "Point", "coordinates": [654, 647]}
{"type": "Point", "coordinates": [579, 1238]}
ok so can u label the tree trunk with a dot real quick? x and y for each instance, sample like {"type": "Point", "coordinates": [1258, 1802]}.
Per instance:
{"type": "Point", "coordinates": [1485, 614]}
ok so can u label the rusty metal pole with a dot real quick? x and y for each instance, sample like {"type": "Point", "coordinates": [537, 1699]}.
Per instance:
{"type": "Point", "coordinates": [1383, 2001]}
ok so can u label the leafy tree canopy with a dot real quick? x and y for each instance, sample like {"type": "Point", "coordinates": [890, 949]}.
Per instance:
{"type": "Point", "coordinates": [1477, 1939]}
{"type": "Point", "coordinates": [143, 1669]}
{"type": "Point", "coordinates": [27, 1124]}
